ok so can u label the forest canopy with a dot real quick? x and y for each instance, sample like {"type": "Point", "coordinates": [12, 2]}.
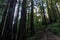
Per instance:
{"type": "Point", "coordinates": [28, 19]}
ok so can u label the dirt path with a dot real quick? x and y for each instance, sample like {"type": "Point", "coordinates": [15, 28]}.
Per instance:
{"type": "Point", "coordinates": [49, 36]}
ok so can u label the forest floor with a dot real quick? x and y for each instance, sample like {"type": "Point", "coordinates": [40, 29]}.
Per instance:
{"type": "Point", "coordinates": [49, 36]}
{"type": "Point", "coordinates": [45, 36]}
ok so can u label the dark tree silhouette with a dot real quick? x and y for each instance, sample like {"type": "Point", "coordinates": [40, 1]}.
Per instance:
{"type": "Point", "coordinates": [15, 23]}
{"type": "Point", "coordinates": [44, 18]}
{"type": "Point", "coordinates": [32, 20]}
{"type": "Point", "coordinates": [54, 17]}
{"type": "Point", "coordinates": [50, 19]}
{"type": "Point", "coordinates": [3, 18]}
{"type": "Point", "coordinates": [22, 29]}
{"type": "Point", "coordinates": [8, 25]}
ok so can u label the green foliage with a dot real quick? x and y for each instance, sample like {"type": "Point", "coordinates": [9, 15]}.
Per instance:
{"type": "Point", "coordinates": [0, 18]}
{"type": "Point", "coordinates": [1, 1]}
{"type": "Point", "coordinates": [36, 37]}
{"type": "Point", "coordinates": [55, 27]}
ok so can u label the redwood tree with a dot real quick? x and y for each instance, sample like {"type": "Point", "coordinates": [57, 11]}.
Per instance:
{"type": "Point", "coordinates": [7, 30]}
{"type": "Point", "coordinates": [22, 29]}
{"type": "Point", "coordinates": [32, 20]}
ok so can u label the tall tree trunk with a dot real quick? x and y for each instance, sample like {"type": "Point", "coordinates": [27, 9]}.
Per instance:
{"type": "Point", "coordinates": [15, 23]}
{"type": "Point", "coordinates": [53, 12]}
{"type": "Point", "coordinates": [57, 11]}
{"type": "Point", "coordinates": [32, 20]}
{"type": "Point", "coordinates": [28, 24]}
{"type": "Point", "coordinates": [44, 18]}
{"type": "Point", "coordinates": [50, 19]}
{"type": "Point", "coordinates": [8, 25]}
{"type": "Point", "coordinates": [3, 18]}
{"type": "Point", "coordinates": [22, 29]}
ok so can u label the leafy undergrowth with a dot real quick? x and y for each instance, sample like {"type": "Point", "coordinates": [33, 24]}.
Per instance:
{"type": "Point", "coordinates": [36, 37]}
{"type": "Point", "coordinates": [54, 27]}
